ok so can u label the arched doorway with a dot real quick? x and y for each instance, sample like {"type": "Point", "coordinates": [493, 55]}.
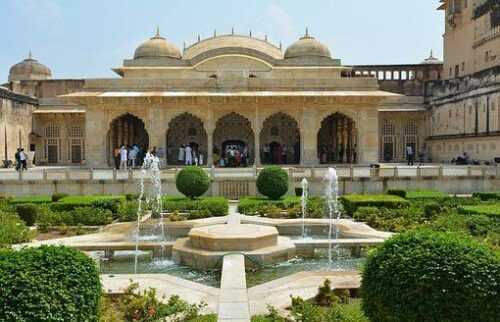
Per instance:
{"type": "Point", "coordinates": [280, 140]}
{"type": "Point", "coordinates": [233, 134]}
{"type": "Point", "coordinates": [186, 129]}
{"type": "Point", "coordinates": [127, 130]}
{"type": "Point", "coordinates": [337, 140]}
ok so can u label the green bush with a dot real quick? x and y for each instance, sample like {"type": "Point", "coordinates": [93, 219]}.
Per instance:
{"type": "Point", "coordinates": [31, 199]}
{"type": "Point", "coordinates": [12, 230]}
{"type": "Point", "coordinates": [192, 182]}
{"type": "Point", "coordinates": [48, 284]}
{"type": "Point", "coordinates": [397, 192]}
{"type": "Point", "coordinates": [128, 211]}
{"type": "Point", "coordinates": [213, 206]}
{"type": "Point", "coordinates": [28, 213]}
{"type": "Point", "coordinates": [72, 202]}
{"type": "Point", "coordinates": [430, 276]}
{"type": "Point", "coordinates": [91, 216]}
{"type": "Point", "coordinates": [423, 195]}
{"type": "Point", "coordinates": [58, 196]}
{"type": "Point", "coordinates": [432, 209]}
{"type": "Point", "coordinates": [252, 206]}
{"type": "Point", "coordinates": [131, 196]}
{"type": "Point", "coordinates": [272, 182]}
{"type": "Point", "coordinates": [486, 196]}
{"type": "Point", "coordinates": [352, 202]}
{"type": "Point", "coordinates": [492, 210]}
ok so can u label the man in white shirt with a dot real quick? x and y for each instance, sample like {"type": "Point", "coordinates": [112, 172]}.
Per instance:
{"type": "Point", "coordinates": [123, 158]}
{"type": "Point", "coordinates": [189, 156]}
{"type": "Point", "coordinates": [410, 155]}
{"type": "Point", "coordinates": [23, 158]}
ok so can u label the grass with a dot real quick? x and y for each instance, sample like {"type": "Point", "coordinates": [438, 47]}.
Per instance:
{"type": "Point", "coordinates": [43, 199]}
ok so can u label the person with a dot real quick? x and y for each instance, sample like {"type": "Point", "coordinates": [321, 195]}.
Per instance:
{"type": "Point", "coordinates": [123, 157]}
{"type": "Point", "coordinates": [116, 155]}
{"type": "Point", "coordinates": [284, 154]}
{"type": "Point", "coordinates": [23, 158]}
{"type": "Point", "coordinates": [132, 156]}
{"type": "Point", "coordinates": [182, 154]}
{"type": "Point", "coordinates": [18, 160]}
{"type": "Point", "coordinates": [200, 159]}
{"type": "Point", "coordinates": [267, 154]}
{"type": "Point", "coordinates": [188, 156]}
{"type": "Point", "coordinates": [153, 151]}
{"type": "Point", "coordinates": [409, 154]}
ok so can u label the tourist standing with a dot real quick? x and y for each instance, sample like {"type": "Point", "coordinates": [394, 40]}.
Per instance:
{"type": "Point", "coordinates": [410, 154]}
{"type": "Point", "coordinates": [18, 160]}
{"type": "Point", "coordinates": [182, 154]}
{"type": "Point", "coordinates": [116, 155]}
{"type": "Point", "coordinates": [188, 156]}
{"type": "Point", "coordinates": [284, 154]}
{"type": "Point", "coordinates": [132, 155]}
{"type": "Point", "coordinates": [23, 158]}
{"type": "Point", "coordinates": [200, 159]}
{"type": "Point", "coordinates": [267, 154]}
{"type": "Point", "coordinates": [123, 157]}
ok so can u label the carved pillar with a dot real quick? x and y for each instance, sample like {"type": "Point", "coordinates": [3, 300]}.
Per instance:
{"type": "Point", "coordinates": [309, 135]}
{"type": "Point", "coordinates": [95, 136]}
{"type": "Point", "coordinates": [210, 145]}
{"type": "Point", "coordinates": [368, 135]}
{"type": "Point", "coordinates": [257, 128]}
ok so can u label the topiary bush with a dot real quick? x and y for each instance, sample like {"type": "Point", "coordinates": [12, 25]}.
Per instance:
{"type": "Point", "coordinates": [28, 213]}
{"type": "Point", "coordinates": [352, 202]}
{"type": "Point", "coordinates": [272, 182]}
{"type": "Point", "coordinates": [58, 196]}
{"type": "Point", "coordinates": [397, 192]}
{"type": "Point", "coordinates": [49, 283]}
{"type": "Point", "coordinates": [192, 182]}
{"type": "Point", "coordinates": [433, 277]}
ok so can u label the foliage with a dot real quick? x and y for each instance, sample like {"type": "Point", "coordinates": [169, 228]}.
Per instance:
{"type": "Point", "coordinates": [70, 203]}
{"type": "Point", "coordinates": [12, 230]}
{"type": "Point", "coordinates": [421, 195]}
{"type": "Point", "coordinates": [80, 216]}
{"type": "Point", "coordinates": [430, 276]}
{"type": "Point", "coordinates": [58, 196]}
{"type": "Point", "coordinates": [136, 306]}
{"type": "Point", "coordinates": [48, 284]}
{"type": "Point", "coordinates": [31, 199]}
{"type": "Point", "coordinates": [252, 206]}
{"type": "Point", "coordinates": [327, 296]}
{"type": "Point", "coordinates": [127, 211]}
{"type": "Point", "coordinates": [485, 196]}
{"type": "Point", "coordinates": [272, 182]}
{"type": "Point", "coordinates": [211, 206]}
{"type": "Point", "coordinates": [131, 196]}
{"type": "Point", "coordinates": [397, 192]}
{"type": "Point", "coordinates": [352, 202]}
{"type": "Point", "coordinates": [28, 213]}
{"type": "Point", "coordinates": [192, 182]}
{"type": "Point", "coordinates": [492, 210]}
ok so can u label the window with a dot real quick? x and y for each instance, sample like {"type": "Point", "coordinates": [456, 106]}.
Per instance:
{"type": "Point", "coordinates": [52, 131]}
{"type": "Point", "coordinates": [75, 132]}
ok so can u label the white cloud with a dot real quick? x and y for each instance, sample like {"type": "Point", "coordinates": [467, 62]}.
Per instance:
{"type": "Point", "coordinates": [281, 20]}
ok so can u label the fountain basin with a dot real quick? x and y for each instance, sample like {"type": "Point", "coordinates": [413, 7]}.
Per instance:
{"type": "Point", "coordinates": [233, 237]}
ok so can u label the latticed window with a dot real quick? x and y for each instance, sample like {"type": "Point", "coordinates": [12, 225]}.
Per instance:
{"type": "Point", "coordinates": [387, 128]}
{"type": "Point", "coordinates": [52, 131]}
{"type": "Point", "coordinates": [75, 132]}
{"type": "Point", "coordinates": [411, 128]}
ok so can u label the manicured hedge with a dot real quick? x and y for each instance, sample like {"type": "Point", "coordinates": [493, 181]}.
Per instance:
{"type": "Point", "coordinates": [352, 202]}
{"type": "Point", "coordinates": [272, 182]}
{"type": "Point", "coordinates": [491, 210]}
{"type": "Point", "coordinates": [213, 206]}
{"type": "Point", "coordinates": [426, 195]}
{"type": "Point", "coordinates": [250, 206]}
{"type": "Point", "coordinates": [397, 192]}
{"type": "Point", "coordinates": [485, 196]}
{"type": "Point", "coordinates": [48, 284]}
{"type": "Point", "coordinates": [88, 216]}
{"type": "Point", "coordinates": [28, 213]}
{"type": "Point", "coordinates": [429, 276]}
{"type": "Point", "coordinates": [70, 203]}
{"type": "Point", "coordinates": [31, 199]}
{"type": "Point", "coordinates": [192, 182]}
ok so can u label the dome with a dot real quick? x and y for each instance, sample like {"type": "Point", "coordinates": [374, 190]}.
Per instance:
{"type": "Point", "coordinates": [157, 47]}
{"type": "Point", "coordinates": [431, 60]}
{"type": "Point", "coordinates": [29, 69]}
{"type": "Point", "coordinates": [307, 46]}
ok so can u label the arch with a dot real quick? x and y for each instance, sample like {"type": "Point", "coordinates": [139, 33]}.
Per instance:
{"type": "Point", "coordinates": [337, 139]}
{"type": "Point", "coordinates": [127, 129]}
{"type": "Point", "coordinates": [184, 129]}
{"type": "Point", "coordinates": [234, 131]}
{"type": "Point", "coordinates": [280, 140]}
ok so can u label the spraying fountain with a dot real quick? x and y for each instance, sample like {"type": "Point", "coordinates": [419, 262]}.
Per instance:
{"type": "Point", "coordinates": [331, 196]}
{"type": "Point", "coordinates": [303, 203]}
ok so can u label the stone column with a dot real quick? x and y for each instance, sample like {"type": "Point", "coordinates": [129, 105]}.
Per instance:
{"type": "Point", "coordinates": [309, 138]}
{"type": "Point", "coordinates": [210, 145]}
{"type": "Point", "coordinates": [368, 144]}
{"type": "Point", "coordinates": [256, 133]}
{"type": "Point", "coordinates": [155, 128]}
{"type": "Point", "coordinates": [96, 128]}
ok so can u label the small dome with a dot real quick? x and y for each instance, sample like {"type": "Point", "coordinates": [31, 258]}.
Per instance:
{"type": "Point", "coordinates": [307, 46]}
{"type": "Point", "coordinates": [431, 60]}
{"type": "Point", "coordinates": [29, 69]}
{"type": "Point", "coordinates": [157, 47]}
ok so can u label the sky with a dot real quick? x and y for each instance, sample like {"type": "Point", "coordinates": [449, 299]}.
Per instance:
{"type": "Point", "coordinates": [86, 38]}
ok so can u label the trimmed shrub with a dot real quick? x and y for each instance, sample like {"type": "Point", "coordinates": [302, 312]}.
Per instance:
{"type": "Point", "coordinates": [397, 192]}
{"type": "Point", "coordinates": [192, 182]}
{"type": "Point", "coordinates": [131, 196]}
{"type": "Point", "coordinates": [485, 196]}
{"type": "Point", "coordinates": [426, 195]}
{"type": "Point", "coordinates": [91, 216]}
{"type": "Point", "coordinates": [128, 211]}
{"type": "Point", "coordinates": [58, 196]}
{"type": "Point", "coordinates": [212, 206]}
{"type": "Point", "coordinates": [31, 199]}
{"type": "Point", "coordinates": [251, 206]}
{"type": "Point", "coordinates": [272, 182]}
{"type": "Point", "coordinates": [48, 284]}
{"type": "Point", "coordinates": [352, 202]}
{"type": "Point", "coordinates": [28, 213]}
{"type": "Point", "coordinates": [72, 202]}
{"type": "Point", "coordinates": [492, 210]}
{"type": "Point", "coordinates": [12, 230]}
{"type": "Point", "coordinates": [430, 276]}
{"type": "Point", "coordinates": [432, 209]}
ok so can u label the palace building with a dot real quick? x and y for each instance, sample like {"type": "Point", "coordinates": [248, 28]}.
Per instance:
{"type": "Point", "coordinates": [236, 90]}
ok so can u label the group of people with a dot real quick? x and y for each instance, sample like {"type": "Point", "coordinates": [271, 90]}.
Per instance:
{"type": "Point", "coordinates": [21, 160]}
{"type": "Point", "coordinates": [232, 157]}
{"type": "Point", "coordinates": [189, 155]}
{"type": "Point", "coordinates": [127, 156]}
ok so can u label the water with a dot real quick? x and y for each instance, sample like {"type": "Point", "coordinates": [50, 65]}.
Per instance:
{"type": "Point", "coordinates": [303, 203]}
{"type": "Point", "coordinates": [331, 196]}
{"type": "Point", "coordinates": [150, 169]}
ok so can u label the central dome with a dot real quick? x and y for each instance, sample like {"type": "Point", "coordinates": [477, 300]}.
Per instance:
{"type": "Point", "coordinates": [157, 47]}
{"type": "Point", "coordinates": [307, 46]}
{"type": "Point", "coordinates": [29, 69]}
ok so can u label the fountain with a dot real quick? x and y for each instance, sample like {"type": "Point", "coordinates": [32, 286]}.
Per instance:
{"type": "Point", "coordinates": [331, 196]}
{"type": "Point", "coordinates": [303, 203]}
{"type": "Point", "coordinates": [150, 168]}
